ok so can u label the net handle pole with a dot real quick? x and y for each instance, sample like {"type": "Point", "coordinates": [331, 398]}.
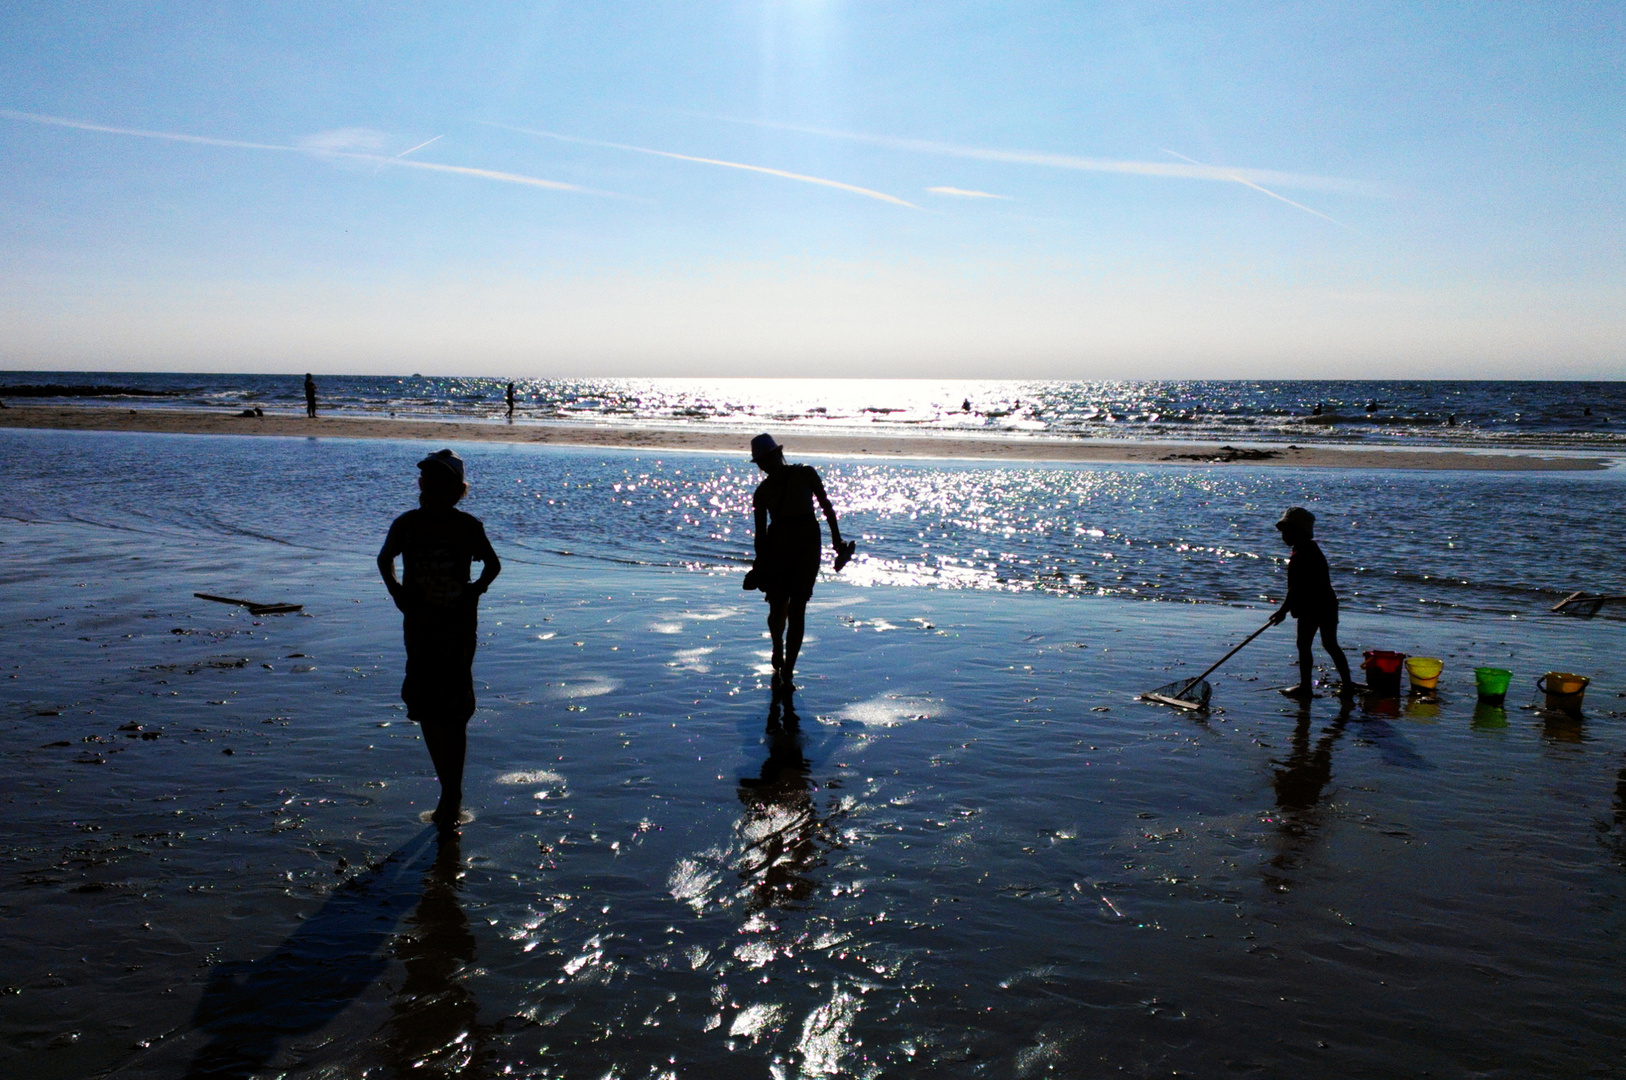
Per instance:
{"type": "Point", "coordinates": [1227, 656]}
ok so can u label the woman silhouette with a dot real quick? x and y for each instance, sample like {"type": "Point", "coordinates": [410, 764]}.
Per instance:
{"type": "Point", "coordinates": [787, 549]}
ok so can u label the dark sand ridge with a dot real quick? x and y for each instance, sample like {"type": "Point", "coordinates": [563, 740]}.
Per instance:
{"type": "Point", "coordinates": [983, 448]}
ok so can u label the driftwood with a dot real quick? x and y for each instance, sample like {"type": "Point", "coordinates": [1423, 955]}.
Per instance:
{"type": "Point", "coordinates": [253, 608]}
{"type": "Point", "coordinates": [1582, 603]}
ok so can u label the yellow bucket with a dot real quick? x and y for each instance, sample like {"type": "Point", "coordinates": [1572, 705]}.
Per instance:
{"type": "Point", "coordinates": [1424, 672]}
{"type": "Point", "coordinates": [1564, 690]}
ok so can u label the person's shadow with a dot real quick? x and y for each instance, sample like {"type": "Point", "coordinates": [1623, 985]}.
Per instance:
{"type": "Point", "coordinates": [780, 832]}
{"type": "Point", "coordinates": [251, 1008]}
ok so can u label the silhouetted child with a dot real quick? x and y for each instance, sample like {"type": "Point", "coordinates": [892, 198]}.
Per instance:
{"type": "Point", "coordinates": [1310, 600]}
{"type": "Point", "coordinates": [436, 543]}
{"type": "Point", "coordinates": [310, 396]}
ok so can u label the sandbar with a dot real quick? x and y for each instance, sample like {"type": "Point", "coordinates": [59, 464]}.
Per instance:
{"type": "Point", "coordinates": [829, 444]}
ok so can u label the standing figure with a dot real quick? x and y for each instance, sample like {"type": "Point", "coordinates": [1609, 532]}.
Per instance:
{"type": "Point", "coordinates": [310, 396]}
{"type": "Point", "coordinates": [510, 401]}
{"type": "Point", "coordinates": [436, 543]}
{"type": "Point", "coordinates": [787, 550]}
{"type": "Point", "coordinates": [1311, 601]}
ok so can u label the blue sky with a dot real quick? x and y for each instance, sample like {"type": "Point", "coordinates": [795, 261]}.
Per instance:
{"type": "Point", "coordinates": [808, 187]}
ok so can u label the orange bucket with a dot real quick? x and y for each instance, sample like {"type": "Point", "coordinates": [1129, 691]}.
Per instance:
{"type": "Point", "coordinates": [1564, 690]}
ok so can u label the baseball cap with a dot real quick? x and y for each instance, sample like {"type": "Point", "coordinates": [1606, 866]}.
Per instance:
{"type": "Point", "coordinates": [446, 460]}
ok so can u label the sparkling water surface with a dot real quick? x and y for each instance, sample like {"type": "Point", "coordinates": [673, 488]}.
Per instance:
{"type": "Point", "coordinates": [1575, 415]}
{"type": "Point", "coordinates": [973, 853]}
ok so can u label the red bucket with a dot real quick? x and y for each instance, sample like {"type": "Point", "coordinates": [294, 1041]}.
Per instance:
{"type": "Point", "coordinates": [1382, 669]}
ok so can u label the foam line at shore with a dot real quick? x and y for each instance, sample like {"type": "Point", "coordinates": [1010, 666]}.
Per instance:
{"type": "Point", "coordinates": [179, 422]}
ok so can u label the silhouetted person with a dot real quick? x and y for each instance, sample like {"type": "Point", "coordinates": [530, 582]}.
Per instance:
{"type": "Point", "coordinates": [1310, 600]}
{"type": "Point", "coordinates": [1371, 406]}
{"type": "Point", "coordinates": [510, 401]}
{"type": "Point", "coordinates": [1317, 410]}
{"type": "Point", "coordinates": [787, 549]}
{"type": "Point", "coordinates": [965, 406]}
{"type": "Point", "coordinates": [310, 396]}
{"type": "Point", "coordinates": [436, 543]}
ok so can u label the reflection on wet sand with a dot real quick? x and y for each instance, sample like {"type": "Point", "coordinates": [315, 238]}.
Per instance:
{"type": "Point", "coordinates": [779, 833]}
{"type": "Point", "coordinates": [1300, 781]}
{"type": "Point", "coordinates": [250, 1008]}
{"type": "Point", "coordinates": [434, 1029]}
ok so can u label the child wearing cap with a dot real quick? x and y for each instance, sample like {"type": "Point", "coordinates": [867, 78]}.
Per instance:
{"type": "Point", "coordinates": [1310, 600]}
{"type": "Point", "coordinates": [437, 543]}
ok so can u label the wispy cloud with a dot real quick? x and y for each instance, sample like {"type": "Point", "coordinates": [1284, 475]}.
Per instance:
{"type": "Point", "coordinates": [1186, 171]}
{"type": "Point", "coordinates": [1245, 182]}
{"type": "Point", "coordinates": [336, 144]}
{"type": "Point", "coordinates": [963, 193]}
{"type": "Point", "coordinates": [821, 181]}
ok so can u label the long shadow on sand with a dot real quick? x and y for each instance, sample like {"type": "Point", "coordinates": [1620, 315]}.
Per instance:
{"type": "Point", "coordinates": [249, 1008]}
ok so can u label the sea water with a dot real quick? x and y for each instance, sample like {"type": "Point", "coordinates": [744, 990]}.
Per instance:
{"type": "Point", "coordinates": [1583, 415]}
{"type": "Point", "coordinates": [971, 852]}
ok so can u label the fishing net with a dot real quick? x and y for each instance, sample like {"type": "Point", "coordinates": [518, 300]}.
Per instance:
{"type": "Point", "coordinates": [1183, 694]}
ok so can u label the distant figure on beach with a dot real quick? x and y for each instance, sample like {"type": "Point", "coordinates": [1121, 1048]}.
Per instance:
{"type": "Point", "coordinates": [787, 550]}
{"type": "Point", "coordinates": [310, 396]}
{"type": "Point", "coordinates": [510, 401]}
{"type": "Point", "coordinates": [965, 406]}
{"type": "Point", "coordinates": [436, 544]}
{"type": "Point", "coordinates": [1310, 600]}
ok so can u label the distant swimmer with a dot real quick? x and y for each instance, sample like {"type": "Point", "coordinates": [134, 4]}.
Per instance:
{"type": "Point", "coordinates": [787, 550]}
{"type": "Point", "coordinates": [1317, 410]}
{"type": "Point", "coordinates": [310, 396]}
{"type": "Point", "coordinates": [1451, 421]}
{"type": "Point", "coordinates": [1371, 406]}
{"type": "Point", "coordinates": [1310, 600]}
{"type": "Point", "coordinates": [439, 605]}
{"type": "Point", "coordinates": [510, 401]}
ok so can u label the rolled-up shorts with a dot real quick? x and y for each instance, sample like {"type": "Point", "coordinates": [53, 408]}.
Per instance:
{"type": "Point", "coordinates": [792, 559]}
{"type": "Point", "coordinates": [439, 684]}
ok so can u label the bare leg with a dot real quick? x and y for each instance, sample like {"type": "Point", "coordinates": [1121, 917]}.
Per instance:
{"type": "Point", "coordinates": [1306, 638]}
{"type": "Point", "coordinates": [793, 639]}
{"type": "Point", "coordinates": [1329, 641]}
{"type": "Point", "coordinates": [776, 627]}
{"type": "Point", "coordinates": [447, 743]}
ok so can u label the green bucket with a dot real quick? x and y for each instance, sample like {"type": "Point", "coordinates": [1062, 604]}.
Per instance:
{"type": "Point", "coordinates": [1493, 683]}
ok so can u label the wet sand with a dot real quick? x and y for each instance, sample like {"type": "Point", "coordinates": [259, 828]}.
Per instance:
{"type": "Point", "coordinates": [180, 422]}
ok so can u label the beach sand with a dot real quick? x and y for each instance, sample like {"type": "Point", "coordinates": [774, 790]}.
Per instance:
{"type": "Point", "coordinates": [976, 853]}
{"type": "Point", "coordinates": [989, 448]}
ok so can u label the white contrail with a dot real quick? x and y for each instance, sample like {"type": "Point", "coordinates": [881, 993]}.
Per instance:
{"type": "Point", "coordinates": [239, 144]}
{"type": "Point", "coordinates": [420, 146]}
{"type": "Point", "coordinates": [1190, 171]}
{"type": "Point", "coordinates": [964, 194]}
{"type": "Point", "coordinates": [855, 189]}
{"type": "Point", "coordinates": [1266, 191]}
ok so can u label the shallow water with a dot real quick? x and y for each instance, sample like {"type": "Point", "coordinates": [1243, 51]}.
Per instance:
{"type": "Point", "coordinates": [1587, 415]}
{"type": "Point", "coordinates": [1461, 543]}
{"type": "Point", "coordinates": [975, 854]}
